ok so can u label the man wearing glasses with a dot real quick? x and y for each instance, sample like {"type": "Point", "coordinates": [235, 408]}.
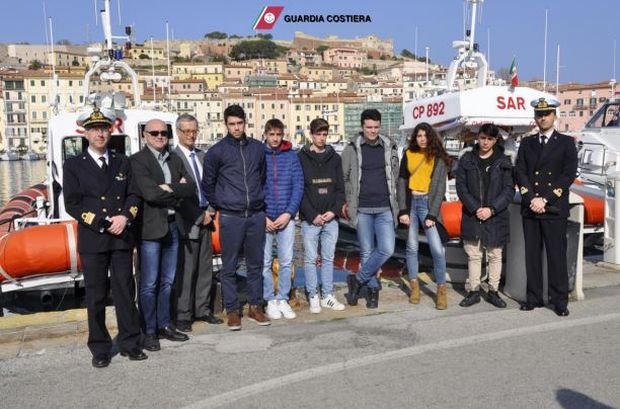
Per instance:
{"type": "Point", "coordinates": [195, 278]}
{"type": "Point", "coordinates": [163, 182]}
{"type": "Point", "coordinates": [546, 167]}
{"type": "Point", "coordinates": [98, 193]}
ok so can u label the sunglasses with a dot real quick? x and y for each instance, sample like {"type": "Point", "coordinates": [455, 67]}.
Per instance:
{"type": "Point", "coordinates": [540, 114]}
{"type": "Point", "coordinates": [154, 134]}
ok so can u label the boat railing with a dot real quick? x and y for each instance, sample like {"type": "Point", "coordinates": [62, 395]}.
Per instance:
{"type": "Point", "coordinates": [593, 158]}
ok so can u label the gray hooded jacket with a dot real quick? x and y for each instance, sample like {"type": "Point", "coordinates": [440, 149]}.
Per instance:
{"type": "Point", "coordinates": [352, 168]}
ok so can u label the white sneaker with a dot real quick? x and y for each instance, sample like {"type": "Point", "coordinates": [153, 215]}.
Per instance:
{"type": "Point", "coordinates": [331, 302]}
{"type": "Point", "coordinates": [286, 310]}
{"type": "Point", "coordinates": [315, 306]}
{"type": "Point", "coordinates": [273, 310]}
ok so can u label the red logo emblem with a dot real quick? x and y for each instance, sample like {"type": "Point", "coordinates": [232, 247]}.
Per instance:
{"type": "Point", "coordinates": [268, 17]}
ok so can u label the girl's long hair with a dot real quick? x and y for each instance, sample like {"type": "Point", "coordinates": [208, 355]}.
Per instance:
{"type": "Point", "coordinates": [434, 144]}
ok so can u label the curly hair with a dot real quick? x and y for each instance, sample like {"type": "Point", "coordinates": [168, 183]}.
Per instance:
{"type": "Point", "coordinates": [434, 144]}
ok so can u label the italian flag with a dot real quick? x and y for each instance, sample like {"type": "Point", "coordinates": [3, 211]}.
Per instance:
{"type": "Point", "coordinates": [514, 78]}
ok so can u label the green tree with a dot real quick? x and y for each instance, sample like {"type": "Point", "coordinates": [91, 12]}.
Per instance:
{"type": "Point", "coordinates": [216, 35]}
{"type": "Point", "coordinates": [264, 36]}
{"type": "Point", "coordinates": [75, 62]}
{"type": "Point", "coordinates": [407, 54]}
{"type": "Point", "coordinates": [143, 56]}
{"type": "Point", "coordinates": [63, 42]}
{"type": "Point", "coordinates": [35, 65]}
{"type": "Point", "coordinates": [320, 49]}
{"type": "Point", "coordinates": [220, 58]}
{"type": "Point", "coordinates": [255, 49]}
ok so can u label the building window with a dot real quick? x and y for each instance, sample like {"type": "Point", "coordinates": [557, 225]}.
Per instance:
{"type": "Point", "coordinates": [42, 83]}
{"type": "Point", "coordinates": [593, 101]}
{"type": "Point", "coordinates": [32, 83]}
{"type": "Point", "coordinates": [34, 115]}
{"type": "Point", "coordinates": [579, 102]}
{"type": "Point", "coordinates": [580, 113]}
{"type": "Point", "coordinates": [33, 98]}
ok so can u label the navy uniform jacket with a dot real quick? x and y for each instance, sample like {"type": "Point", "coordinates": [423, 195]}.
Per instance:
{"type": "Point", "coordinates": [546, 172]}
{"type": "Point", "coordinates": [90, 195]}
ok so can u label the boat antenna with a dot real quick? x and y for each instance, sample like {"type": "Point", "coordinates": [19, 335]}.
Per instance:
{"type": "Point", "coordinates": [168, 58]}
{"type": "Point", "coordinates": [47, 38]}
{"type": "Point", "coordinates": [153, 70]}
{"type": "Point", "coordinates": [96, 12]}
{"type": "Point", "coordinates": [612, 82]}
{"type": "Point", "coordinates": [557, 72]}
{"type": "Point", "coordinates": [118, 6]}
{"type": "Point", "coordinates": [545, 58]}
{"type": "Point", "coordinates": [54, 76]}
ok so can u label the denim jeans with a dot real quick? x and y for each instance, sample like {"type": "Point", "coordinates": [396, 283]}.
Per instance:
{"type": "Point", "coordinates": [285, 240]}
{"type": "Point", "coordinates": [376, 235]}
{"type": "Point", "coordinates": [158, 266]}
{"type": "Point", "coordinates": [419, 210]}
{"type": "Point", "coordinates": [242, 236]}
{"type": "Point", "coordinates": [327, 235]}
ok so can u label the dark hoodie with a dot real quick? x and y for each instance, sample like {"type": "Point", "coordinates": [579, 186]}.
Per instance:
{"type": "Point", "coordinates": [323, 183]}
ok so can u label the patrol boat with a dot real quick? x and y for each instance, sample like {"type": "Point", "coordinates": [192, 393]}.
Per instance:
{"type": "Point", "coordinates": [37, 235]}
{"type": "Point", "coordinates": [457, 114]}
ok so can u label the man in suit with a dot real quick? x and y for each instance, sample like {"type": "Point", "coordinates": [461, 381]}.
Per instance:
{"type": "Point", "coordinates": [546, 167]}
{"type": "Point", "coordinates": [194, 280]}
{"type": "Point", "coordinates": [162, 182]}
{"type": "Point", "coordinates": [98, 194]}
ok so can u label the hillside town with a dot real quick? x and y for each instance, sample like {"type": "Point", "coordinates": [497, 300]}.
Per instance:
{"type": "Point", "coordinates": [294, 80]}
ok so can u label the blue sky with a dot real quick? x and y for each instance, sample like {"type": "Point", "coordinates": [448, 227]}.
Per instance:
{"type": "Point", "coordinates": [585, 30]}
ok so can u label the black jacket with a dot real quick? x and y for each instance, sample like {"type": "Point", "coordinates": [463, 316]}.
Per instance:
{"type": "Point", "coordinates": [323, 183]}
{"type": "Point", "coordinates": [495, 231]}
{"type": "Point", "coordinates": [90, 195]}
{"type": "Point", "coordinates": [148, 175]}
{"type": "Point", "coordinates": [546, 172]}
{"type": "Point", "coordinates": [234, 175]}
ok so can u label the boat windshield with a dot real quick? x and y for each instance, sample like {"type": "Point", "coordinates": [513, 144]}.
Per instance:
{"type": "Point", "coordinates": [607, 116]}
{"type": "Point", "coordinates": [75, 145]}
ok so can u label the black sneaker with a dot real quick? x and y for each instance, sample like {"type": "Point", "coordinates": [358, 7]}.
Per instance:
{"type": "Point", "coordinates": [493, 298]}
{"type": "Point", "coordinates": [472, 297]}
{"type": "Point", "coordinates": [354, 289]}
{"type": "Point", "coordinates": [373, 298]}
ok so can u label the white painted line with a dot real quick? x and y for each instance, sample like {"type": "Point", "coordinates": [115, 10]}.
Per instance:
{"type": "Point", "coordinates": [306, 374]}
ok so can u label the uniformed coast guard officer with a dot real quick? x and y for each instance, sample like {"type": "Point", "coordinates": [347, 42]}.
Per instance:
{"type": "Point", "coordinates": [98, 194]}
{"type": "Point", "coordinates": [546, 167]}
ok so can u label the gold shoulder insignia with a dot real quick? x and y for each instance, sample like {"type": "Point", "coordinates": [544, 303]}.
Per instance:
{"type": "Point", "coordinates": [558, 192]}
{"type": "Point", "coordinates": [523, 190]}
{"type": "Point", "coordinates": [88, 217]}
{"type": "Point", "coordinates": [120, 176]}
{"type": "Point", "coordinates": [134, 211]}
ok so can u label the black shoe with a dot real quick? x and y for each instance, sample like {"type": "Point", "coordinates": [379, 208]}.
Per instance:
{"type": "Point", "coordinates": [211, 319]}
{"type": "Point", "coordinates": [494, 298]}
{"type": "Point", "coordinates": [373, 298]}
{"type": "Point", "coordinates": [101, 360]}
{"type": "Point", "coordinates": [472, 297]}
{"type": "Point", "coordinates": [561, 311]}
{"type": "Point", "coordinates": [529, 306]}
{"type": "Point", "coordinates": [172, 334]}
{"type": "Point", "coordinates": [151, 342]}
{"type": "Point", "coordinates": [354, 289]}
{"type": "Point", "coordinates": [184, 325]}
{"type": "Point", "coordinates": [135, 354]}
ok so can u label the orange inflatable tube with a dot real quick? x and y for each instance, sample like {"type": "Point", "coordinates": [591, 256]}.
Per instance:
{"type": "Point", "coordinates": [451, 217]}
{"type": "Point", "coordinates": [215, 235]}
{"type": "Point", "coordinates": [39, 250]}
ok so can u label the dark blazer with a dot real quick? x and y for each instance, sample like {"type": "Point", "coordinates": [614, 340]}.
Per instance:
{"type": "Point", "coordinates": [148, 175]}
{"type": "Point", "coordinates": [495, 231]}
{"type": "Point", "coordinates": [189, 208]}
{"type": "Point", "coordinates": [90, 195]}
{"type": "Point", "coordinates": [546, 172]}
